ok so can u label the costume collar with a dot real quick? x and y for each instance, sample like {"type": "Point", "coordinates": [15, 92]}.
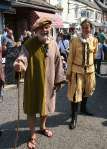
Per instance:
{"type": "Point", "coordinates": [85, 40]}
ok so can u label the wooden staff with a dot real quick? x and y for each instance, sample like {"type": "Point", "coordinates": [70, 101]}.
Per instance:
{"type": "Point", "coordinates": [17, 76]}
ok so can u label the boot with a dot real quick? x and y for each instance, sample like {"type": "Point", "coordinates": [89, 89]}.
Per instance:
{"type": "Point", "coordinates": [83, 108]}
{"type": "Point", "coordinates": [74, 109]}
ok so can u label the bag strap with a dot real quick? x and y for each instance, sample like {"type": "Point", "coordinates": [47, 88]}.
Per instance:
{"type": "Point", "coordinates": [63, 44]}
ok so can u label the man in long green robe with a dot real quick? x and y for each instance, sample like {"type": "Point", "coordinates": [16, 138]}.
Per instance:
{"type": "Point", "coordinates": [41, 61]}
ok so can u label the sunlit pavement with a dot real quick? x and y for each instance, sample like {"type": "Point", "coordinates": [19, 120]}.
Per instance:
{"type": "Point", "coordinates": [91, 132]}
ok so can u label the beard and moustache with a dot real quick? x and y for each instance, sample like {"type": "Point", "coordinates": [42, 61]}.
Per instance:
{"type": "Point", "coordinates": [44, 37]}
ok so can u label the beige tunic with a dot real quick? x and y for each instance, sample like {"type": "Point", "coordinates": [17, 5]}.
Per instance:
{"type": "Point", "coordinates": [82, 71]}
{"type": "Point", "coordinates": [54, 75]}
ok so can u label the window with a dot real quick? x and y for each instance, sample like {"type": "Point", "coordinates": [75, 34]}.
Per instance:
{"type": "Point", "coordinates": [83, 13]}
{"type": "Point", "coordinates": [98, 16]}
{"type": "Point", "coordinates": [91, 14]}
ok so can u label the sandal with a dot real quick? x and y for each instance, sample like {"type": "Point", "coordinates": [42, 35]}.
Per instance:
{"type": "Point", "coordinates": [32, 143]}
{"type": "Point", "coordinates": [46, 132]}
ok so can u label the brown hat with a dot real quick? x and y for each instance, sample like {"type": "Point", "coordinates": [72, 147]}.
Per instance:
{"type": "Point", "coordinates": [42, 21]}
{"type": "Point", "coordinates": [87, 21]}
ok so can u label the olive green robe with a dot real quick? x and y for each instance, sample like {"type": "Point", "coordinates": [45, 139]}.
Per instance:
{"type": "Point", "coordinates": [43, 72]}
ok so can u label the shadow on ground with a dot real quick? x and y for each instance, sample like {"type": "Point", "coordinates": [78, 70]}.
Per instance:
{"type": "Point", "coordinates": [105, 123]}
{"type": "Point", "coordinates": [97, 105]}
{"type": "Point", "coordinates": [7, 140]}
{"type": "Point", "coordinates": [98, 102]}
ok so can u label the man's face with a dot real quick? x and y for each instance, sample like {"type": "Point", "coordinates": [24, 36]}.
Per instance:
{"type": "Point", "coordinates": [10, 33]}
{"type": "Point", "coordinates": [43, 33]}
{"type": "Point", "coordinates": [86, 28]}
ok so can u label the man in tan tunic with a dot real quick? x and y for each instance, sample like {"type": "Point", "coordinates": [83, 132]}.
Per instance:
{"type": "Point", "coordinates": [80, 71]}
{"type": "Point", "coordinates": [40, 59]}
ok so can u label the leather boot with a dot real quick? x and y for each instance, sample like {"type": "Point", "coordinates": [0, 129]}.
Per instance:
{"type": "Point", "coordinates": [74, 109]}
{"type": "Point", "coordinates": [83, 107]}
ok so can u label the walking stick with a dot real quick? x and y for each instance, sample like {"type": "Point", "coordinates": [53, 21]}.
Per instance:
{"type": "Point", "coordinates": [17, 76]}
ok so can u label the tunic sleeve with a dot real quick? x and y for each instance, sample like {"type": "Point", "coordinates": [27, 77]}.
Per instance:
{"type": "Point", "coordinates": [59, 71]}
{"type": "Point", "coordinates": [23, 57]}
{"type": "Point", "coordinates": [96, 47]}
{"type": "Point", "coordinates": [70, 56]}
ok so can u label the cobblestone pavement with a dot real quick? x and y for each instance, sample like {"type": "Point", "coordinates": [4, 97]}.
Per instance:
{"type": "Point", "coordinates": [91, 132]}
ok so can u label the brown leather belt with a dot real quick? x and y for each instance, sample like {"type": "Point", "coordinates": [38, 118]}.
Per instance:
{"type": "Point", "coordinates": [85, 67]}
{"type": "Point", "coordinates": [82, 65]}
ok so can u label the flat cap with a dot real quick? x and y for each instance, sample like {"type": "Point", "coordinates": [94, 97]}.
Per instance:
{"type": "Point", "coordinates": [42, 21]}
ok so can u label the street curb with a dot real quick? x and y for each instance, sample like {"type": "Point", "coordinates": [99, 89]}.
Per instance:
{"type": "Point", "coordinates": [101, 76]}
{"type": "Point", "coordinates": [10, 86]}
{"type": "Point", "coordinates": [6, 87]}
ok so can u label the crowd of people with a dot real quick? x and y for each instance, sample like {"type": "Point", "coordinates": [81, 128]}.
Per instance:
{"type": "Point", "coordinates": [101, 54]}
{"type": "Point", "coordinates": [48, 64]}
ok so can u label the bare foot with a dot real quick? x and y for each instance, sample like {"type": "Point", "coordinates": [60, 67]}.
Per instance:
{"type": "Point", "coordinates": [47, 132]}
{"type": "Point", "coordinates": [32, 143]}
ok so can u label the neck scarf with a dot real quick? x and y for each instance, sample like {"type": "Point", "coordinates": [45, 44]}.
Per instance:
{"type": "Point", "coordinates": [86, 50]}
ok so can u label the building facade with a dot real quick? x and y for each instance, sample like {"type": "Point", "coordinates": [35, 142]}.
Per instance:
{"type": "Point", "coordinates": [5, 8]}
{"type": "Point", "coordinates": [21, 14]}
{"type": "Point", "coordinates": [74, 11]}
{"type": "Point", "coordinates": [103, 5]}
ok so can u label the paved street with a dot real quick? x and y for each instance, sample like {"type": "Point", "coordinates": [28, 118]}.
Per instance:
{"type": "Point", "coordinates": [91, 132]}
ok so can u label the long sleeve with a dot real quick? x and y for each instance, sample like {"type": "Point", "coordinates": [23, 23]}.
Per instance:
{"type": "Point", "coordinates": [59, 71]}
{"type": "Point", "coordinates": [70, 56]}
{"type": "Point", "coordinates": [96, 47]}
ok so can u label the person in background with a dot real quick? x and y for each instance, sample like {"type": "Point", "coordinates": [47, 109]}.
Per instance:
{"type": "Point", "coordinates": [63, 46]}
{"type": "Point", "coordinates": [96, 34]}
{"type": "Point", "coordinates": [2, 78]}
{"type": "Point", "coordinates": [81, 71]}
{"type": "Point", "coordinates": [41, 61]}
{"type": "Point", "coordinates": [0, 50]}
{"type": "Point", "coordinates": [4, 34]}
{"type": "Point", "coordinates": [9, 47]}
{"type": "Point", "coordinates": [105, 49]}
{"type": "Point", "coordinates": [59, 37]}
{"type": "Point", "coordinates": [73, 32]}
{"type": "Point", "coordinates": [0, 38]}
{"type": "Point", "coordinates": [25, 36]}
{"type": "Point", "coordinates": [101, 36]}
{"type": "Point", "coordinates": [28, 36]}
{"type": "Point", "coordinates": [99, 57]}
